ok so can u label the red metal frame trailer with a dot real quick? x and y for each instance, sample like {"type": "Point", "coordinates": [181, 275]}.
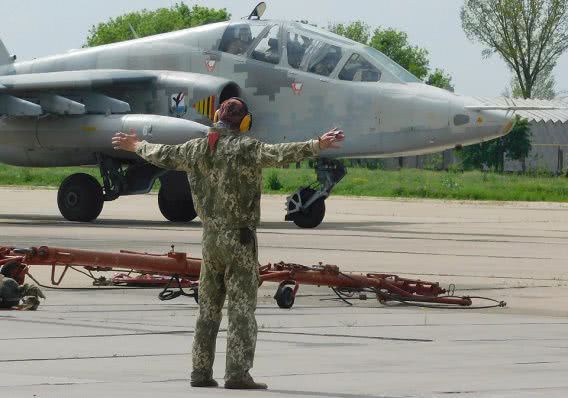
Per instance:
{"type": "Point", "coordinates": [181, 270]}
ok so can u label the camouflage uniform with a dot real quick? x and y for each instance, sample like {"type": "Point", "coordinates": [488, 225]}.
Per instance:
{"type": "Point", "coordinates": [226, 187]}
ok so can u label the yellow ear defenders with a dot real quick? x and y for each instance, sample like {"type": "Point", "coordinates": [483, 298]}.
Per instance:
{"type": "Point", "coordinates": [246, 122]}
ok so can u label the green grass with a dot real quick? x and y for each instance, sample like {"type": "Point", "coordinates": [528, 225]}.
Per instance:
{"type": "Point", "coordinates": [473, 185]}
{"type": "Point", "coordinates": [412, 183]}
{"type": "Point", "coordinates": [40, 177]}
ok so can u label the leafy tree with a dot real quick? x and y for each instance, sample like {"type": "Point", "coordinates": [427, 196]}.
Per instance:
{"type": "Point", "coordinates": [147, 23]}
{"type": "Point", "coordinates": [357, 31]}
{"type": "Point", "coordinates": [395, 44]}
{"type": "Point", "coordinates": [515, 146]}
{"type": "Point", "coordinates": [530, 35]}
{"type": "Point", "coordinates": [544, 86]}
{"type": "Point", "coordinates": [441, 79]}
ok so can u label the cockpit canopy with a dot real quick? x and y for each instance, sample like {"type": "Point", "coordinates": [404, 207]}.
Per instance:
{"type": "Point", "coordinates": [312, 50]}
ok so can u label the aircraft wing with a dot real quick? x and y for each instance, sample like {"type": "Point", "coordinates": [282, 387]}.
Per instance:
{"type": "Point", "coordinates": [70, 93]}
{"type": "Point", "coordinates": [104, 91]}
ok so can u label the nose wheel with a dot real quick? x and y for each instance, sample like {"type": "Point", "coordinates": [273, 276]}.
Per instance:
{"type": "Point", "coordinates": [307, 216]}
{"type": "Point", "coordinates": [306, 207]}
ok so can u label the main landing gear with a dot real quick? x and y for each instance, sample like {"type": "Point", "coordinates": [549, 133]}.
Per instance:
{"type": "Point", "coordinates": [306, 207]}
{"type": "Point", "coordinates": [81, 197]}
{"type": "Point", "coordinates": [175, 199]}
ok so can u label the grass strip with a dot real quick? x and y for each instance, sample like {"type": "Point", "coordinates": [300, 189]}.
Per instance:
{"type": "Point", "coordinates": [406, 183]}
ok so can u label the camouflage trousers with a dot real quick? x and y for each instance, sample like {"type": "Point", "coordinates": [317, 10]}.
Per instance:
{"type": "Point", "coordinates": [229, 268]}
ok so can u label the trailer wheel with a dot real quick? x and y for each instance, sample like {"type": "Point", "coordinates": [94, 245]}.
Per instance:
{"type": "Point", "coordinates": [285, 297]}
{"type": "Point", "coordinates": [80, 198]}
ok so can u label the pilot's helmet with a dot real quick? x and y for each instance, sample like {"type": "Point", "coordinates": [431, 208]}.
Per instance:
{"type": "Point", "coordinates": [245, 34]}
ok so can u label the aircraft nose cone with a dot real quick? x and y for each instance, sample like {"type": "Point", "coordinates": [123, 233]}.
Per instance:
{"type": "Point", "coordinates": [480, 124]}
{"type": "Point", "coordinates": [499, 122]}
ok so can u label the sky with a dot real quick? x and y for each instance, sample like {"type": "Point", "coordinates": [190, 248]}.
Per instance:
{"type": "Point", "coordinates": [35, 28]}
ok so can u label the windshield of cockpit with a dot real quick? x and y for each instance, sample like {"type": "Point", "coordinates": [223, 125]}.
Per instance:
{"type": "Point", "coordinates": [392, 66]}
{"type": "Point", "coordinates": [381, 60]}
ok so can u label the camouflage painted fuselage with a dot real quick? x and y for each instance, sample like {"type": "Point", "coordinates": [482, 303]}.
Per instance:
{"type": "Point", "coordinates": [390, 117]}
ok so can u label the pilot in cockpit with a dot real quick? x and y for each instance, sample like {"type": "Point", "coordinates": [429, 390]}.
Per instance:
{"type": "Point", "coordinates": [272, 53]}
{"type": "Point", "coordinates": [241, 42]}
{"type": "Point", "coordinates": [326, 65]}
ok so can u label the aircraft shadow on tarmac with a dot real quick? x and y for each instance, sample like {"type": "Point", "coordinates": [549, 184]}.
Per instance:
{"type": "Point", "coordinates": [36, 220]}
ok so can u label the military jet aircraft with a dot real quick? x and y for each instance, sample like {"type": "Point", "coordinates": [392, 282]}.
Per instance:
{"type": "Point", "coordinates": [298, 80]}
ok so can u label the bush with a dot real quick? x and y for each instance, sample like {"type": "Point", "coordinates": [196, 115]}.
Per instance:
{"type": "Point", "coordinates": [433, 162]}
{"type": "Point", "coordinates": [273, 182]}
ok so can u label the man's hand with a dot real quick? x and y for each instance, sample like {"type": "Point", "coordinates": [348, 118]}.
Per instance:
{"type": "Point", "coordinates": [329, 139]}
{"type": "Point", "coordinates": [125, 142]}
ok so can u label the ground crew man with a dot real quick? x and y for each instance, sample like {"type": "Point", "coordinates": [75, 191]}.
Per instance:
{"type": "Point", "coordinates": [225, 175]}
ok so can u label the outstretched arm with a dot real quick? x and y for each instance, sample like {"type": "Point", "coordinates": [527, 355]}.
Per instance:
{"type": "Point", "coordinates": [280, 154]}
{"type": "Point", "coordinates": [171, 157]}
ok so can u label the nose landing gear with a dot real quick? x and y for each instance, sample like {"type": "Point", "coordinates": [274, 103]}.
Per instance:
{"type": "Point", "coordinates": [306, 207]}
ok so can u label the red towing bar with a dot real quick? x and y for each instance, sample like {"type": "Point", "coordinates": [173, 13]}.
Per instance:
{"type": "Point", "coordinates": [16, 263]}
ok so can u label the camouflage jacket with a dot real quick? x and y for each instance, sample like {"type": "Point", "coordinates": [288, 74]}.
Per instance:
{"type": "Point", "coordinates": [226, 183]}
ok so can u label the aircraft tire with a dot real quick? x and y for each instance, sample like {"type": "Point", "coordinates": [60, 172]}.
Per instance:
{"type": "Point", "coordinates": [80, 198]}
{"type": "Point", "coordinates": [285, 297]}
{"type": "Point", "coordinates": [176, 210]}
{"type": "Point", "coordinates": [313, 215]}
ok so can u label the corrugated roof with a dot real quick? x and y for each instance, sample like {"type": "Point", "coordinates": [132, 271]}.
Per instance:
{"type": "Point", "coordinates": [545, 116]}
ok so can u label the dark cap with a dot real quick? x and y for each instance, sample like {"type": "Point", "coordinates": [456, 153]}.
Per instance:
{"type": "Point", "coordinates": [232, 112]}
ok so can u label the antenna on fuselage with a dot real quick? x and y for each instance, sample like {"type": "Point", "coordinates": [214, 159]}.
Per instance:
{"type": "Point", "coordinates": [258, 11]}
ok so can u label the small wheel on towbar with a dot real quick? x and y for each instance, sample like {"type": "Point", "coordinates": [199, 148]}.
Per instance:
{"type": "Point", "coordinates": [285, 297]}
{"type": "Point", "coordinates": [80, 198]}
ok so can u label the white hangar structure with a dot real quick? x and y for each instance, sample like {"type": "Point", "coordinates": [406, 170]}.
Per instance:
{"type": "Point", "coordinates": [549, 130]}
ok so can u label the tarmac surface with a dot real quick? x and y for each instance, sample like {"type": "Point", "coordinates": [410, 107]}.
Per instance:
{"type": "Point", "coordinates": [94, 342]}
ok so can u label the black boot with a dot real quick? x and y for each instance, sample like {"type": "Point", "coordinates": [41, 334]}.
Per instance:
{"type": "Point", "coordinates": [246, 383]}
{"type": "Point", "coordinates": [203, 379]}
{"type": "Point", "coordinates": [204, 383]}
